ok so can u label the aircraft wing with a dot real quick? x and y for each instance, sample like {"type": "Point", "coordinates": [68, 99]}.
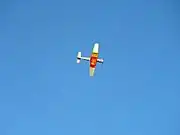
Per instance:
{"type": "Point", "coordinates": [91, 71]}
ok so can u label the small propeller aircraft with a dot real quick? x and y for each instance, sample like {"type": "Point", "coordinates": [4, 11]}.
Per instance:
{"type": "Point", "coordinates": [93, 59]}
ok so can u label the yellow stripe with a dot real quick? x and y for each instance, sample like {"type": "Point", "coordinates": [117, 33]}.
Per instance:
{"type": "Point", "coordinates": [95, 54]}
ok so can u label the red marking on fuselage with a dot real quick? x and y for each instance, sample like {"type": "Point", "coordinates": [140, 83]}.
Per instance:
{"type": "Point", "coordinates": [93, 60]}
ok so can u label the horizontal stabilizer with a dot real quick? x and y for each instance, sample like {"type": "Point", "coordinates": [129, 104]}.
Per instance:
{"type": "Point", "coordinates": [78, 57]}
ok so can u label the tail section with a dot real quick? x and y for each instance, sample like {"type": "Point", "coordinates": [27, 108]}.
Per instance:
{"type": "Point", "coordinates": [78, 57]}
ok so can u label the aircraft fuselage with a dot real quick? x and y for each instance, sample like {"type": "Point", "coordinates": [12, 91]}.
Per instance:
{"type": "Point", "coordinates": [93, 60]}
{"type": "Point", "coordinates": [94, 55]}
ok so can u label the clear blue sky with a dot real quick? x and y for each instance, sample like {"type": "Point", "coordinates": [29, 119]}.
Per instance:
{"type": "Point", "coordinates": [44, 92]}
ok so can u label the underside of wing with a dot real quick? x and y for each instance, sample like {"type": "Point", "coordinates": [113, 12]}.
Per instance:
{"type": "Point", "coordinates": [91, 71]}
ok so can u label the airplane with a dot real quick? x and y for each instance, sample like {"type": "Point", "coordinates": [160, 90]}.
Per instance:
{"type": "Point", "coordinates": [93, 59]}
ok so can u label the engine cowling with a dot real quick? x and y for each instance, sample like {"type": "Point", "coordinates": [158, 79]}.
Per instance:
{"type": "Point", "coordinates": [100, 60]}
